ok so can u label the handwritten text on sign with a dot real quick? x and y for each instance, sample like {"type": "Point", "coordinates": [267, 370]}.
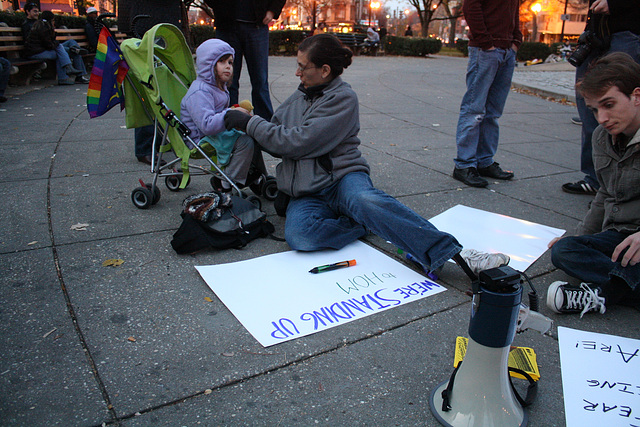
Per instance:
{"type": "Point", "coordinates": [286, 301]}
{"type": "Point", "coordinates": [600, 378]}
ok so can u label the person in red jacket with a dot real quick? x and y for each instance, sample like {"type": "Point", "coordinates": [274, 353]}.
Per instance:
{"type": "Point", "coordinates": [494, 39]}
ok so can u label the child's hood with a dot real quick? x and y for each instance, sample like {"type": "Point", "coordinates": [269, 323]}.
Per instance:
{"type": "Point", "coordinates": [207, 56]}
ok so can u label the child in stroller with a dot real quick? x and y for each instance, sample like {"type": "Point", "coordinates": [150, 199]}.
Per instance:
{"type": "Point", "coordinates": [203, 108]}
{"type": "Point", "coordinates": [161, 71]}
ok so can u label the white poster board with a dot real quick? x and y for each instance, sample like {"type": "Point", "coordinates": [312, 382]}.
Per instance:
{"type": "Point", "coordinates": [523, 241]}
{"type": "Point", "coordinates": [600, 378]}
{"type": "Point", "coordinates": [277, 299]}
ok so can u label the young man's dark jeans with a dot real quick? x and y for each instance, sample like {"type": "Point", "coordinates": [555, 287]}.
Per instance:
{"type": "Point", "coordinates": [588, 258]}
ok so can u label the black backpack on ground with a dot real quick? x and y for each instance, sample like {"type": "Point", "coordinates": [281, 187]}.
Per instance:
{"type": "Point", "coordinates": [238, 224]}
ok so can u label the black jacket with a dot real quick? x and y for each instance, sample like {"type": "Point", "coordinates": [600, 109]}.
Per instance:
{"type": "Point", "coordinates": [224, 11]}
{"type": "Point", "coordinates": [41, 37]}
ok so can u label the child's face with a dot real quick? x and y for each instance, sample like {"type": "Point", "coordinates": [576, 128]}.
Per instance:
{"type": "Point", "coordinates": [224, 70]}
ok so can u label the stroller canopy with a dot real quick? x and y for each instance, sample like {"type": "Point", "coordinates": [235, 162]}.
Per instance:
{"type": "Point", "coordinates": [160, 67]}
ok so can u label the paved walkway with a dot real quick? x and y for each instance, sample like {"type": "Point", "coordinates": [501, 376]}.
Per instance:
{"type": "Point", "coordinates": [147, 343]}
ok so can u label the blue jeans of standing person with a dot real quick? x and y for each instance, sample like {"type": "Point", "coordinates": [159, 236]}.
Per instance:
{"type": "Point", "coordinates": [489, 74]}
{"type": "Point", "coordinates": [76, 59]}
{"type": "Point", "coordinates": [624, 41]}
{"type": "Point", "coordinates": [343, 212]}
{"type": "Point", "coordinates": [252, 43]}
{"type": "Point", "coordinates": [59, 55]}
{"type": "Point", "coordinates": [143, 139]}
{"type": "Point", "coordinates": [588, 258]}
{"type": "Point", "coordinates": [5, 72]}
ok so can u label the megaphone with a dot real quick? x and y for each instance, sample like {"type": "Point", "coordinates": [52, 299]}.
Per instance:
{"type": "Point", "coordinates": [479, 392]}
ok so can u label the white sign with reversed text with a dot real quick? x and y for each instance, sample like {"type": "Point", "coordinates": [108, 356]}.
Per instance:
{"type": "Point", "coordinates": [277, 299]}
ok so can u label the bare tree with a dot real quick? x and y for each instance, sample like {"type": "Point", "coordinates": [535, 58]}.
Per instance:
{"type": "Point", "coordinates": [426, 10]}
{"type": "Point", "coordinates": [200, 4]}
{"type": "Point", "coordinates": [312, 7]}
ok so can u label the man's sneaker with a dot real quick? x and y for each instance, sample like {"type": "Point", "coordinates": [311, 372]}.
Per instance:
{"type": "Point", "coordinates": [564, 298]}
{"type": "Point", "coordinates": [580, 187]}
{"type": "Point", "coordinates": [576, 121]}
{"type": "Point", "coordinates": [77, 50]}
{"type": "Point", "coordinates": [479, 261]}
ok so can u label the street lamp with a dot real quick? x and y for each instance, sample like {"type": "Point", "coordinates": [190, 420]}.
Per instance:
{"type": "Point", "coordinates": [373, 5]}
{"type": "Point", "coordinates": [535, 8]}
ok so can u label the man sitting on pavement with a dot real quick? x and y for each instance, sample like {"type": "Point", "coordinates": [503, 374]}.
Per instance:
{"type": "Point", "coordinates": [606, 256]}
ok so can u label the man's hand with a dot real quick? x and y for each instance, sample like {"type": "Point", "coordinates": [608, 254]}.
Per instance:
{"type": "Point", "coordinates": [600, 6]}
{"type": "Point", "coordinates": [234, 119]}
{"type": "Point", "coordinates": [632, 256]}
{"type": "Point", "coordinates": [268, 17]}
{"type": "Point", "coordinates": [553, 242]}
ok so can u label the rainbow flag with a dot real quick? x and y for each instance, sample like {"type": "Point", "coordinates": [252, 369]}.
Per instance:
{"type": "Point", "coordinates": [107, 75]}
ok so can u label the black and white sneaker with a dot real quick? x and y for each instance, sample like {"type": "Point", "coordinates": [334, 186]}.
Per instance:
{"type": "Point", "coordinates": [580, 187]}
{"type": "Point", "coordinates": [576, 121]}
{"type": "Point", "coordinates": [564, 298]}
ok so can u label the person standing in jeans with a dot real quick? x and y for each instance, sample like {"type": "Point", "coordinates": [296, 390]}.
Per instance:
{"type": "Point", "coordinates": [244, 25]}
{"type": "Point", "coordinates": [616, 26]}
{"type": "Point", "coordinates": [494, 39]}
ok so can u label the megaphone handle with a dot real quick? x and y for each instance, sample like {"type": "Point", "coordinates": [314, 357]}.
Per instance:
{"type": "Point", "coordinates": [532, 389]}
{"type": "Point", "coordinates": [446, 393]}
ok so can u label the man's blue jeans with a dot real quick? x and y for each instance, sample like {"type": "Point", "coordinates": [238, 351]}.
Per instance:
{"type": "Point", "coordinates": [59, 55]}
{"type": "Point", "coordinates": [252, 43]}
{"type": "Point", "coordinates": [76, 60]}
{"type": "Point", "coordinates": [489, 74]}
{"type": "Point", "coordinates": [588, 258]}
{"type": "Point", "coordinates": [624, 41]}
{"type": "Point", "coordinates": [344, 211]}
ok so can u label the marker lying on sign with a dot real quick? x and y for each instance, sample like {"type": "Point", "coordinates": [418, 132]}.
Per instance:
{"type": "Point", "coordinates": [335, 266]}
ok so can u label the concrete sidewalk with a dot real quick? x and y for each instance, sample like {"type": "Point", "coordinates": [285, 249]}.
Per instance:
{"type": "Point", "coordinates": [141, 345]}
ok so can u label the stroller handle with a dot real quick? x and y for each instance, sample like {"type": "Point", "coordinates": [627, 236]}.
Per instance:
{"type": "Point", "coordinates": [172, 119]}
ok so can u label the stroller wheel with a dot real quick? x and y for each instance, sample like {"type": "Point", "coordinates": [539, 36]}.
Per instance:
{"type": "Point", "coordinates": [142, 197]}
{"type": "Point", "coordinates": [270, 189]}
{"type": "Point", "coordinates": [173, 182]}
{"type": "Point", "coordinates": [155, 192]}
{"type": "Point", "coordinates": [255, 200]}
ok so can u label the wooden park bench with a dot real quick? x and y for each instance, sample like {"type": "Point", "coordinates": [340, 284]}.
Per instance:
{"type": "Point", "coordinates": [12, 45]}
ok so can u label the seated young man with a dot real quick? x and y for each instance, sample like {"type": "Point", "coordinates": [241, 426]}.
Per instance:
{"type": "Point", "coordinates": [606, 254]}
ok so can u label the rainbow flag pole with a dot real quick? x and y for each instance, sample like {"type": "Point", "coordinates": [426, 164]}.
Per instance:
{"type": "Point", "coordinates": [108, 73]}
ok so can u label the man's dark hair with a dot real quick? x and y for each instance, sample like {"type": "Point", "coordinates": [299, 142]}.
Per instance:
{"type": "Point", "coordinates": [29, 6]}
{"type": "Point", "coordinates": [615, 69]}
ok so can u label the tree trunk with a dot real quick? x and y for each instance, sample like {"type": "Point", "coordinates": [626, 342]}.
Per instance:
{"type": "Point", "coordinates": [452, 31]}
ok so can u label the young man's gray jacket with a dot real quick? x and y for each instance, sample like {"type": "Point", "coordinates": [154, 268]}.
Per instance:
{"type": "Point", "coordinates": [315, 138]}
{"type": "Point", "coordinates": [616, 205]}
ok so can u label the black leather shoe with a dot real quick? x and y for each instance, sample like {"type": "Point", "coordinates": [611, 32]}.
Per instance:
{"type": "Point", "coordinates": [495, 171]}
{"type": "Point", "coordinates": [470, 177]}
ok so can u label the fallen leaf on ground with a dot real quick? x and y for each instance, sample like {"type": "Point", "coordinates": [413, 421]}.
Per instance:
{"type": "Point", "coordinates": [79, 227]}
{"type": "Point", "coordinates": [32, 243]}
{"type": "Point", "coordinates": [132, 339]}
{"type": "Point", "coordinates": [112, 263]}
{"type": "Point", "coordinates": [208, 299]}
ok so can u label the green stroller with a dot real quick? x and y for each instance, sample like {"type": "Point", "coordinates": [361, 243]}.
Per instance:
{"type": "Point", "coordinates": [161, 68]}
